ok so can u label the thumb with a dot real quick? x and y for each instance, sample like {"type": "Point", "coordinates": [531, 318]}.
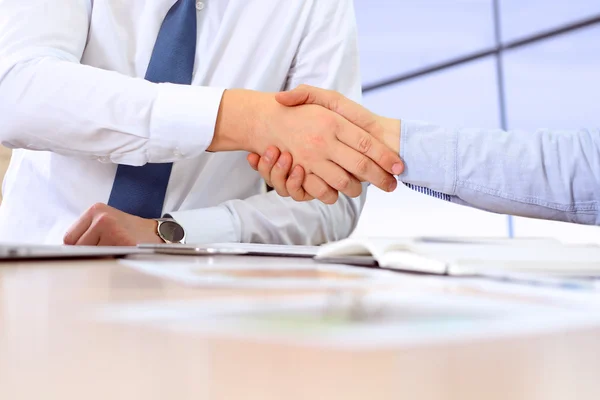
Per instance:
{"type": "Point", "coordinates": [334, 101]}
{"type": "Point", "coordinates": [253, 160]}
{"type": "Point", "coordinates": [294, 97]}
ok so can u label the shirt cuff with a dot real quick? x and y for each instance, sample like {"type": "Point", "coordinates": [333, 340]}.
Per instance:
{"type": "Point", "coordinates": [209, 225]}
{"type": "Point", "coordinates": [429, 154]}
{"type": "Point", "coordinates": [183, 121]}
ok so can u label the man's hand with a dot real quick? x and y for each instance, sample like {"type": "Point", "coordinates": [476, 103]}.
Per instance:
{"type": "Point", "coordinates": [330, 148]}
{"type": "Point", "coordinates": [386, 130]}
{"type": "Point", "coordinates": [277, 167]}
{"type": "Point", "coordinates": [102, 225]}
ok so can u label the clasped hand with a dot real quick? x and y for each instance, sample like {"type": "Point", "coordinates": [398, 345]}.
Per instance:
{"type": "Point", "coordinates": [333, 145]}
{"type": "Point", "coordinates": [360, 133]}
{"type": "Point", "coordinates": [333, 151]}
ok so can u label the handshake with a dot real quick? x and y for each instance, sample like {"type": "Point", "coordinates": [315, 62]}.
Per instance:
{"type": "Point", "coordinates": [311, 143]}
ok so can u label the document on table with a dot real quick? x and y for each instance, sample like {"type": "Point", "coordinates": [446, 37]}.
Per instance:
{"type": "Point", "coordinates": [354, 319]}
{"type": "Point", "coordinates": [250, 249]}
{"type": "Point", "coordinates": [257, 272]}
{"type": "Point", "coordinates": [468, 258]}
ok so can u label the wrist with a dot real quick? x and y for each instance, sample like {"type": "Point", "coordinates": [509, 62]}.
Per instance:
{"type": "Point", "coordinates": [239, 121]}
{"type": "Point", "coordinates": [154, 228]}
{"type": "Point", "coordinates": [391, 136]}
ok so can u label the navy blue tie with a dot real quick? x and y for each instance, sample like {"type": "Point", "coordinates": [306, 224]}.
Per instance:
{"type": "Point", "coordinates": [141, 190]}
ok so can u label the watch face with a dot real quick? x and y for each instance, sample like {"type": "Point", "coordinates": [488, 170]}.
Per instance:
{"type": "Point", "coordinates": [172, 231]}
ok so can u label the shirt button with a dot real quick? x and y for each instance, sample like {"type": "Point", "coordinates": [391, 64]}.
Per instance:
{"type": "Point", "coordinates": [177, 153]}
{"type": "Point", "coordinates": [199, 6]}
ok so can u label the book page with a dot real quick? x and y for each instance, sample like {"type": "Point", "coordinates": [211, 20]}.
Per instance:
{"type": "Point", "coordinates": [540, 258]}
{"type": "Point", "coordinates": [376, 247]}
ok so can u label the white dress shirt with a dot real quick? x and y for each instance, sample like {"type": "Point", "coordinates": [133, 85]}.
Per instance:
{"type": "Point", "coordinates": [73, 105]}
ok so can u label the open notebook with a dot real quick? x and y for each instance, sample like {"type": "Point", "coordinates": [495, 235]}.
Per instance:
{"type": "Point", "coordinates": [467, 256]}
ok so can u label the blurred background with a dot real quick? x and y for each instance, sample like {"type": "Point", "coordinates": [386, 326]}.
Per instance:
{"type": "Point", "coordinates": [515, 64]}
{"type": "Point", "coordinates": [475, 63]}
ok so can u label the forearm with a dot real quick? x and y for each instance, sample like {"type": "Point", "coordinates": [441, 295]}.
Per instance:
{"type": "Point", "coordinates": [239, 124]}
{"type": "Point", "coordinates": [50, 101]}
{"type": "Point", "coordinates": [268, 218]}
{"type": "Point", "coordinates": [107, 115]}
{"type": "Point", "coordinates": [542, 174]}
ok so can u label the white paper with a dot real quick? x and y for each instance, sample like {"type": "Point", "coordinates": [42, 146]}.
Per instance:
{"type": "Point", "coordinates": [351, 319]}
{"type": "Point", "coordinates": [268, 249]}
{"type": "Point", "coordinates": [257, 272]}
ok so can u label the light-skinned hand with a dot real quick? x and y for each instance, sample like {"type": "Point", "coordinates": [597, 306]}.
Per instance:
{"type": "Point", "coordinates": [330, 148]}
{"type": "Point", "coordinates": [102, 225]}
{"type": "Point", "coordinates": [280, 171]}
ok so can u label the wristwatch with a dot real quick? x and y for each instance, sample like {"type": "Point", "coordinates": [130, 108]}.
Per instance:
{"type": "Point", "coordinates": [170, 231]}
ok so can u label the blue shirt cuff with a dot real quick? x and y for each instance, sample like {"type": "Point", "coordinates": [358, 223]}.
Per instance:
{"type": "Point", "coordinates": [430, 155]}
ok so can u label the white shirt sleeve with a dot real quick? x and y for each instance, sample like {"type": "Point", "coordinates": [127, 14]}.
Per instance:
{"type": "Point", "coordinates": [50, 101]}
{"type": "Point", "coordinates": [327, 57]}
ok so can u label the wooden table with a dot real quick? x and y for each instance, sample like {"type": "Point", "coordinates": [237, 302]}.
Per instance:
{"type": "Point", "coordinates": [48, 350]}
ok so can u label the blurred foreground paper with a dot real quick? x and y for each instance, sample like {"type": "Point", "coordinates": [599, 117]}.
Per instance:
{"type": "Point", "coordinates": [354, 319]}
{"type": "Point", "coordinates": [257, 272]}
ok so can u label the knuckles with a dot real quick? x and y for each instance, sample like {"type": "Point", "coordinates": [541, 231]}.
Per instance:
{"type": "Point", "coordinates": [97, 208]}
{"type": "Point", "coordinates": [105, 219]}
{"type": "Point", "coordinates": [362, 166]}
{"type": "Point", "coordinates": [329, 124]}
{"type": "Point", "coordinates": [331, 197]}
{"type": "Point", "coordinates": [326, 195]}
{"type": "Point", "coordinates": [365, 144]}
{"type": "Point", "coordinates": [343, 183]}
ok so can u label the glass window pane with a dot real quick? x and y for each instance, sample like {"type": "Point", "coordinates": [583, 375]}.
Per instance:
{"type": "Point", "coordinates": [461, 96]}
{"type": "Point", "coordinates": [396, 37]}
{"type": "Point", "coordinates": [522, 18]}
{"type": "Point", "coordinates": [465, 96]}
{"type": "Point", "coordinates": [554, 84]}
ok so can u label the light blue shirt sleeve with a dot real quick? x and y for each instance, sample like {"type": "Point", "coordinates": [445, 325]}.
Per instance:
{"type": "Point", "coordinates": [543, 174]}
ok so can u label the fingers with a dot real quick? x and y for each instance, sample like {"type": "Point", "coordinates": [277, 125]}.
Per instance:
{"type": "Point", "coordinates": [80, 227]}
{"type": "Point", "coordinates": [280, 172]}
{"type": "Point", "coordinates": [294, 185]}
{"type": "Point", "coordinates": [107, 230]}
{"type": "Point", "coordinates": [92, 236]}
{"type": "Point", "coordinates": [253, 160]}
{"type": "Point", "coordinates": [368, 145]}
{"type": "Point", "coordinates": [316, 187]}
{"type": "Point", "coordinates": [267, 162]}
{"type": "Point", "coordinates": [102, 225]}
{"type": "Point", "coordinates": [363, 168]}
{"type": "Point", "coordinates": [339, 178]}
{"type": "Point", "coordinates": [368, 139]}
{"type": "Point", "coordinates": [307, 188]}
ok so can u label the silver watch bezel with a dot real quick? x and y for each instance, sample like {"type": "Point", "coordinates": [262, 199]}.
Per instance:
{"type": "Point", "coordinates": [158, 232]}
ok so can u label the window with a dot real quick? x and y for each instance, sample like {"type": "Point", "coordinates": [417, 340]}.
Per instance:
{"type": "Point", "coordinates": [461, 96]}
{"type": "Point", "coordinates": [436, 61]}
{"type": "Point", "coordinates": [521, 18]}
{"type": "Point", "coordinates": [396, 37]}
